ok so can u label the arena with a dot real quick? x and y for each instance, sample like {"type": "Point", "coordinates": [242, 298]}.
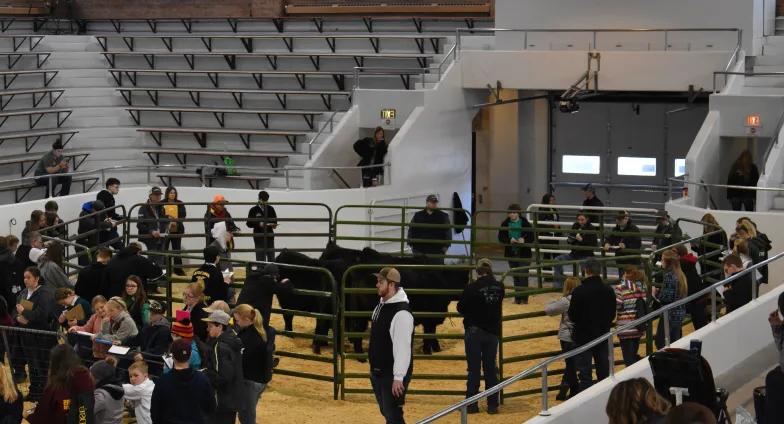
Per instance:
{"type": "Point", "coordinates": [273, 211]}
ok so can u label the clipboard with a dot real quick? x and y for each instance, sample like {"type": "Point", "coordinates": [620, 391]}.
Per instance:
{"type": "Point", "coordinates": [27, 305]}
{"type": "Point", "coordinates": [76, 313]}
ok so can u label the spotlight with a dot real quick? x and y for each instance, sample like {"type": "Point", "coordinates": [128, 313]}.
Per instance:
{"type": "Point", "coordinates": [568, 106]}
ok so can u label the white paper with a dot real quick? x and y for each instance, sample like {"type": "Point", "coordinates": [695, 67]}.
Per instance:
{"type": "Point", "coordinates": [169, 361]}
{"type": "Point", "coordinates": [84, 333]}
{"type": "Point", "coordinates": [721, 290]}
{"type": "Point", "coordinates": [119, 350]}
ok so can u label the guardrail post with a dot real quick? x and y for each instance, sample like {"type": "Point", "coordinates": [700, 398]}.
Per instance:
{"type": "Point", "coordinates": [464, 415]}
{"type": "Point", "coordinates": [169, 274]}
{"type": "Point", "coordinates": [713, 305]}
{"type": "Point", "coordinates": [611, 353]}
{"type": "Point", "coordinates": [402, 230]}
{"type": "Point", "coordinates": [544, 412]}
{"type": "Point", "coordinates": [666, 328]}
{"type": "Point", "coordinates": [457, 43]}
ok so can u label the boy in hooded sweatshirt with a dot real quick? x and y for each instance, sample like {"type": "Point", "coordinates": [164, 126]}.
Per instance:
{"type": "Point", "coordinates": [109, 407]}
{"type": "Point", "coordinates": [139, 392]}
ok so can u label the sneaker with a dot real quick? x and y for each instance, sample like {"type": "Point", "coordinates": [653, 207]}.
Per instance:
{"type": "Point", "coordinates": [492, 411]}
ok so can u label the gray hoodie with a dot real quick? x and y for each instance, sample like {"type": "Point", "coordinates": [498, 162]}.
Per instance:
{"type": "Point", "coordinates": [561, 306]}
{"type": "Point", "coordinates": [121, 328]}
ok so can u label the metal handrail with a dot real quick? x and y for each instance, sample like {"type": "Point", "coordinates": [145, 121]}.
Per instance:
{"type": "Point", "coordinates": [323, 127]}
{"type": "Point", "coordinates": [773, 143]}
{"type": "Point", "coordinates": [745, 74]}
{"type": "Point", "coordinates": [735, 187]}
{"type": "Point", "coordinates": [602, 185]}
{"type": "Point", "coordinates": [542, 366]}
{"type": "Point", "coordinates": [452, 53]}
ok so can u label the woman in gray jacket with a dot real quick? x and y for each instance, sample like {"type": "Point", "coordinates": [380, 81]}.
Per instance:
{"type": "Point", "coordinates": [569, 384]}
{"type": "Point", "coordinates": [120, 326]}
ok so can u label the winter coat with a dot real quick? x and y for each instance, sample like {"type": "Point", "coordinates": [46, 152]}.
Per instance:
{"type": "Point", "coordinates": [57, 405]}
{"type": "Point", "coordinates": [669, 294]}
{"type": "Point", "coordinates": [42, 317]}
{"type": "Point", "coordinates": [139, 313]}
{"type": "Point", "coordinates": [591, 309]}
{"type": "Point", "coordinates": [224, 369]}
{"type": "Point", "coordinates": [629, 295]}
{"type": "Point", "coordinates": [86, 307]}
{"type": "Point", "coordinates": [738, 178]}
{"type": "Point", "coordinates": [566, 327]}
{"type": "Point", "coordinates": [632, 243]}
{"type": "Point", "coordinates": [8, 286]}
{"type": "Point", "coordinates": [155, 338]}
{"type": "Point", "coordinates": [121, 328]}
{"type": "Point", "coordinates": [52, 274]}
{"type": "Point", "coordinates": [668, 228]}
{"type": "Point", "coordinates": [199, 326]}
{"type": "Point", "coordinates": [182, 397]}
{"type": "Point", "coordinates": [738, 293]}
{"type": "Point", "coordinates": [89, 280]}
{"type": "Point", "coordinates": [108, 201]}
{"type": "Point", "coordinates": [86, 224]}
{"type": "Point", "coordinates": [126, 263]}
{"type": "Point", "coordinates": [109, 406]}
{"type": "Point", "coordinates": [212, 217]}
{"type": "Point", "coordinates": [211, 280]}
{"type": "Point", "coordinates": [151, 218]}
{"type": "Point", "coordinates": [527, 236]}
{"type": "Point", "coordinates": [480, 304]}
{"type": "Point", "coordinates": [371, 153]}
{"type": "Point", "coordinates": [254, 355]}
{"type": "Point", "coordinates": [588, 240]}
{"type": "Point", "coordinates": [430, 233]}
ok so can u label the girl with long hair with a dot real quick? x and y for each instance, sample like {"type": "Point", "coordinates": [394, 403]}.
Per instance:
{"type": "Point", "coordinates": [255, 358]}
{"type": "Point", "coordinates": [630, 299]}
{"type": "Point", "coordinates": [68, 392]}
{"type": "Point", "coordinates": [636, 401]}
{"type": "Point", "coordinates": [136, 301]}
{"type": "Point", "coordinates": [569, 383]}
{"type": "Point", "coordinates": [674, 287]}
{"type": "Point", "coordinates": [10, 398]}
{"type": "Point", "coordinates": [743, 173]}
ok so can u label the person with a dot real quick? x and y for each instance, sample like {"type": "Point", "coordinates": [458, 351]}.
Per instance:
{"type": "Point", "coordinates": [591, 200]}
{"type": "Point", "coordinates": [91, 223]}
{"type": "Point", "coordinates": [256, 367]}
{"type": "Point", "coordinates": [210, 277]}
{"type": "Point", "coordinates": [152, 224]}
{"type": "Point", "coordinates": [547, 215]}
{"type": "Point", "coordinates": [90, 278]}
{"type": "Point", "coordinates": [668, 232]}
{"type": "Point", "coordinates": [139, 392]}
{"type": "Point", "coordinates": [175, 213]}
{"type": "Point", "coordinates": [109, 236]}
{"type": "Point", "coordinates": [223, 241]}
{"type": "Point", "coordinates": [129, 261]}
{"type": "Point", "coordinates": [480, 305]}
{"type": "Point", "coordinates": [67, 299]}
{"type": "Point", "coordinates": [109, 405]}
{"type": "Point", "coordinates": [38, 317]}
{"type": "Point", "coordinates": [55, 226]}
{"type": "Point", "coordinates": [583, 239]}
{"type": "Point", "coordinates": [515, 233]}
{"type": "Point", "coordinates": [183, 395]}
{"type": "Point", "coordinates": [390, 350]}
{"type": "Point", "coordinates": [193, 298]}
{"type": "Point", "coordinates": [11, 400]}
{"type": "Point", "coordinates": [69, 390]}
{"type": "Point", "coordinates": [94, 324]}
{"type": "Point", "coordinates": [120, 328]}
{"type": "Point", "coordinates": [738, 292]}
{"type": "Point", "coordinates": [37, 221]}
{"type": "Point", "coordinates": [136, 301]}
{"type": "Point", "coordinates": [693, 413]}
{"type": "Point", "coordinates": [216, 212]}
{"type": "Point", "coordinates": [569, 383]}
{"type": "Point", "coordinates": [260, 285]}
{"type": "Point", "coordinates": [774, 380]}
{"type": "Point", "coordinates": [184, 330]}
{"type": "Point", "coordinates": [8, 286]}
{"type": "Point", "coordinates": [710, 244]}
{"type": "Point", "coordinates": [592, 310]}
{"type": "Point", "coordinates": [263, 219]}
{"type": "Point", "coordinates": [627, 244]}
{"type": "Point", "coordinates": [48, 261]}
{"type": "Point", "coordinates": [155, 338]}
{"type": "Point", "coordinates": [224, 367]}
{"type": "Point", "coordinates": [52, 164]}
{"type": "Point", "coordinates": [419, 236]}
{"type": "Point", "coordinates": [674, 287]}
{"type": "Point", "coordinates": [695, 309]}
{"type": "Point", "coordinates": [636, 401]}
{"type": "Point", "coordinates": [372, 152]}
{"type": "Point", "coordinates": [743, 172]}
{"type": "Point", "coordinates": [763, 245]}
{"type": "Point", "coordinates": [630, 297]}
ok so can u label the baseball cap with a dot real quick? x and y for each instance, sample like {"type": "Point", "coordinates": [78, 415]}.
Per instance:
{"type": "Point", "coordinates": [218, 198]}
{"type": "Point", "coordinates": [218, 317]}
{"type": "Point", "coordinates": [389, 274]}
{"type": "Point", "coordinates": [217, 305]}
{"type": "Point", "coordinates": [484, 263]}
{"type": "Point", "coordinates": [157, 307]}
{"type": "Point", "coordinates": [181, 350]}
{"type": "Point", "coordinates": [589, 187]}
{"type": "Point", "coordinates": [432, 198]}
{"type": "Point", "coordinates": [156, 190]}
{"type": "Point", "coordinates": [36, 253]}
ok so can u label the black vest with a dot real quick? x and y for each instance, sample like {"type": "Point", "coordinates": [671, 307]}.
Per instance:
{"type": "Point", "coordinates": [380, 353]}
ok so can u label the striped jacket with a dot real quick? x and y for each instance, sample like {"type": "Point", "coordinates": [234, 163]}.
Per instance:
{"type": "Point", "coordinates": [627, 294]}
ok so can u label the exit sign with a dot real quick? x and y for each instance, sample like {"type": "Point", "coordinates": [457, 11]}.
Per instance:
{"type": "Point", "coordinates": [753, 121]}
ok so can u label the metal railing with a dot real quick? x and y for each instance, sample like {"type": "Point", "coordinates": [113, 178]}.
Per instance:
{"type": "Point", "coordinates": [462, 406]}
{"type": "Point", "coordinates": [707, 186]}
{"type": "Point", "coordinates": [329, 122]}
{"type": "Point", "coordinates": [773, 143]}
{"type": "Point", "coordinates": [744, 74]}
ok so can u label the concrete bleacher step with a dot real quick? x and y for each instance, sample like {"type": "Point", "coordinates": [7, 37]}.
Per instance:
{"type": "Point", "coordinates": [764, 81]}
{"type": "Point", "coordinates": [89, 78]}
{"type": "Point", "coordinates": [99, 117]}
{"type": "Point", "coordinates": [75, 60]}
{"type": "Point", "coordinates": [70, 43]}
{"type": "Point", "coordinates": [92, 97]}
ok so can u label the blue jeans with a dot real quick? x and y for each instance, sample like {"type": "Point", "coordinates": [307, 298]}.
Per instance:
{"type": "Point", "coordinates": [481, 348]}
{"type": "Point", "coordinates": [570, 372]}
{"type": "Point", "coordinates": [558, 269]}
{"type": "Point", "coordinates": [390, 406]}
{"type": "Point", "coordinates": [598, 354]}
{"type": "Point", "coordinates": [253, 391]}
{"type": "Point", "coordinates": [630, 349]}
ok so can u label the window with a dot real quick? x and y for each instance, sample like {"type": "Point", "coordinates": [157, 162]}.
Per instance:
{"type": "Point", "coordinates": [680, 167]}
{"type": "Point", "coordinates": [644, 167]}
{"type": "Point", "coordinates": [572, 164]}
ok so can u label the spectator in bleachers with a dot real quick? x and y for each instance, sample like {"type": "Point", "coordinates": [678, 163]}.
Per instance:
{"type": "Point", "coordinates": [515, 232]}
{"type": "Point", "coordinates": [175, 212]}
{"type": "Point", "coordinates": [69, 389]}
{"type": "Point", "coordinates": [11, 400]}
{"type": "Point", "coordinates": [741, 249]}
{"type": "Point", "coordinates": [183, 395]}
{"type": "Point", "coordinates": [16, 276]}
{"type": "Point", "coordinates": [592, 310]}
{"type": "Point", "coordinates": [109, 405]}
{"type": "Point", "coordinates": [674, 287]}
{"type": "Point", "coordinates": [774, 381]}
{"type": "Point", "coordinates": [83, 344]}
{"type": "Point", "coordinates": [550, 215]}
{"type": "Point", "coordinates": [51, 164]}
{"type": "Point", "coordinates": [695, 309]}
{"type": "Point", "coordinates": [51, 209]}
{"type": "Point", "coordinates": [91, 223]}
{"type": "Point", "coordinates": [569, 383]}
{"type": "Point", "coordinates": [139, 393]}
{"type": "Point", "coordinates": [430, 215]}
{"type": "Point", "coordinates": [91, 277]}
{"type": "Point", "coordinates": [210, 277]}
{"type": "Point", "coordinates": [591, 200]}
{"type": "Point", "coordinates": [67, 300]}
{"type": "Point", "coordinates": [35, 310]}
{"type": "Point", "coordinates": [256, 368]}
{"type": "Point", "coordinates": [372, 152]}
{"type": "Point", "coordinates": [630, 296]}
{"type": "Point", "coordinates": [106, 196]}
{"type": "Point", "coordinates": [738, 292]}
{"type": "Point", "coordinates": [216, 212]}
{"type": "Point", "coordinates": [763, 245]}
{"type": "Point", "coordinates": [692, 413]}
{"type": "Point", "coordinates": [193, 298]}
{"type": "Point", "coordinates": [626, 244]}
{"type": "Point", "coordinates": [480, 305]}
{"type": "Point", "coordinates": [120, 328]}
{"type": "Point", "coordinates": [668, 232]}
{"type": "Point", "coordinates": [155, 338]}
{"type": "Point", "coordinates": [136, 301]}
{"type": "Point", "coordinates": [711, 225]}
{"type": "Point", "coordinates": [129, 262]}
{"type": "Point", "coordinates": [581, 241]}
{"type": "Point", "coordinates": [636, 401]}
{"type": "Point", "coordinates": [36, 222]}
{"type": "Point", "coordinates": [224, 368]}
{"type": "Point", "coordinates": [743, 173]}
{"type": "Point", "coordinates": [152, 224]}
{"type": "Point", "coordinates": [263, 219]}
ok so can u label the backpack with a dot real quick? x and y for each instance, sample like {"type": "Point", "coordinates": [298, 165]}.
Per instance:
{"type": "Point", "coordinates": [270, 353]}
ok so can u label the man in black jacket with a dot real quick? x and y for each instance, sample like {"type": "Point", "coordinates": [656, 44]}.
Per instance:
{"type": "Point", "coordinates": [128, 262]}
{"type": "Point", "coordinates": [591, 200]}
{"type": "Point", "coordinates": [224, 367]}
{"type": "Point", "coordinates": [670, 232]}
{"type": "Point", "coordinates": [584, 238]}
{"type": "Point", "coordinates": [155, 338]}
{"type": "Point", "coordinates": [216, 286]}
{"type": "Point", "coordinates": [372, 152]}
{"type": "Point", "coordinates": [260, 285]}
{"type": "Point", "coordinates": [480, 305]}
{"type": "Point", "coordinates": [738, 292]}
{"type": "Point", "coordinates": [93, 222]}
{"type": "Point", "coordinates": [624, 244]}
{"type": "Point", "coordinates": [106, 196]}
{"type": "Point", "coordinates": [263, 219]}
{"type": "Point", "coordinates": [592, 310]}
{"type": "Point", "coordinates": [152, 224]}
{"type": "Point", "coordinates": [90, 279]}
{"type": "Point", "coordinates": [429, 216]}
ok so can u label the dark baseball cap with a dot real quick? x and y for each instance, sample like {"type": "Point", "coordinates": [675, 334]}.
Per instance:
{"type": "Point", "coordinates": [156, 190]}
{"type": "Point", "coordinates": [432, 198]}
{"type": "Point", "coordinates": [589, 187]}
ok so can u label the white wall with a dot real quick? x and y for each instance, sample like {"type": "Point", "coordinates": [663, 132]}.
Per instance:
{"type": "Point", "coordinates": [335, 150]}
{"type": "Point", "coordinates": [731, 331]}
{"type": "Point", "coordinates": [702, 157]}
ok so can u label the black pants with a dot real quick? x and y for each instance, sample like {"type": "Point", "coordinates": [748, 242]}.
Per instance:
{"type": "Point", "coordinates": [570, 372]}
{"type": "Point", "coordinates": [391, 408]}
{"type": "Point", "coordinates": [520, 282]}
{"type": "Point", "coordinates": [745, 202]}
{"type": "Point", "coordinates": [481, 348]}
{"type": "Point", "coordinates": [176, 244]}
{"type": "Point", "coordinates": [222, 417]}
{"type": "Point", "coordinates": [600, 355]}
{"type": "Point", "coordinates": [265, 247]}
{"type": "Point", "coordinates": [774, 397]}
{"type": "Point", "coordinates": [64, 182]}
{"type": "Point", "coordinates": [699, 317]}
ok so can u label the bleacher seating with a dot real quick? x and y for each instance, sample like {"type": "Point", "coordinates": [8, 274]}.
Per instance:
{"type": "Point", "coordinates": [13, 58]}
{"type": "Point", "coordinates": [239, 95]}
{"type": "Point", "coordinates": [37, 96]}
{"type": "Point", "coordinates": [35, 115]}
{"type": "Point", "coordinates": [408, 7]}
{"type": "Point", "coordinates": [220, 114]}
{"type": "Point", "coordinates": [181, 155]}
{"type": "Point", "coordinates": [28, 161]}
{"type": "Point", "coordinates": [31, 138]}
{"type": "Point", "coordinates": [200, 134]}
{"type": "Point", "coordinates": [10, 76]}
